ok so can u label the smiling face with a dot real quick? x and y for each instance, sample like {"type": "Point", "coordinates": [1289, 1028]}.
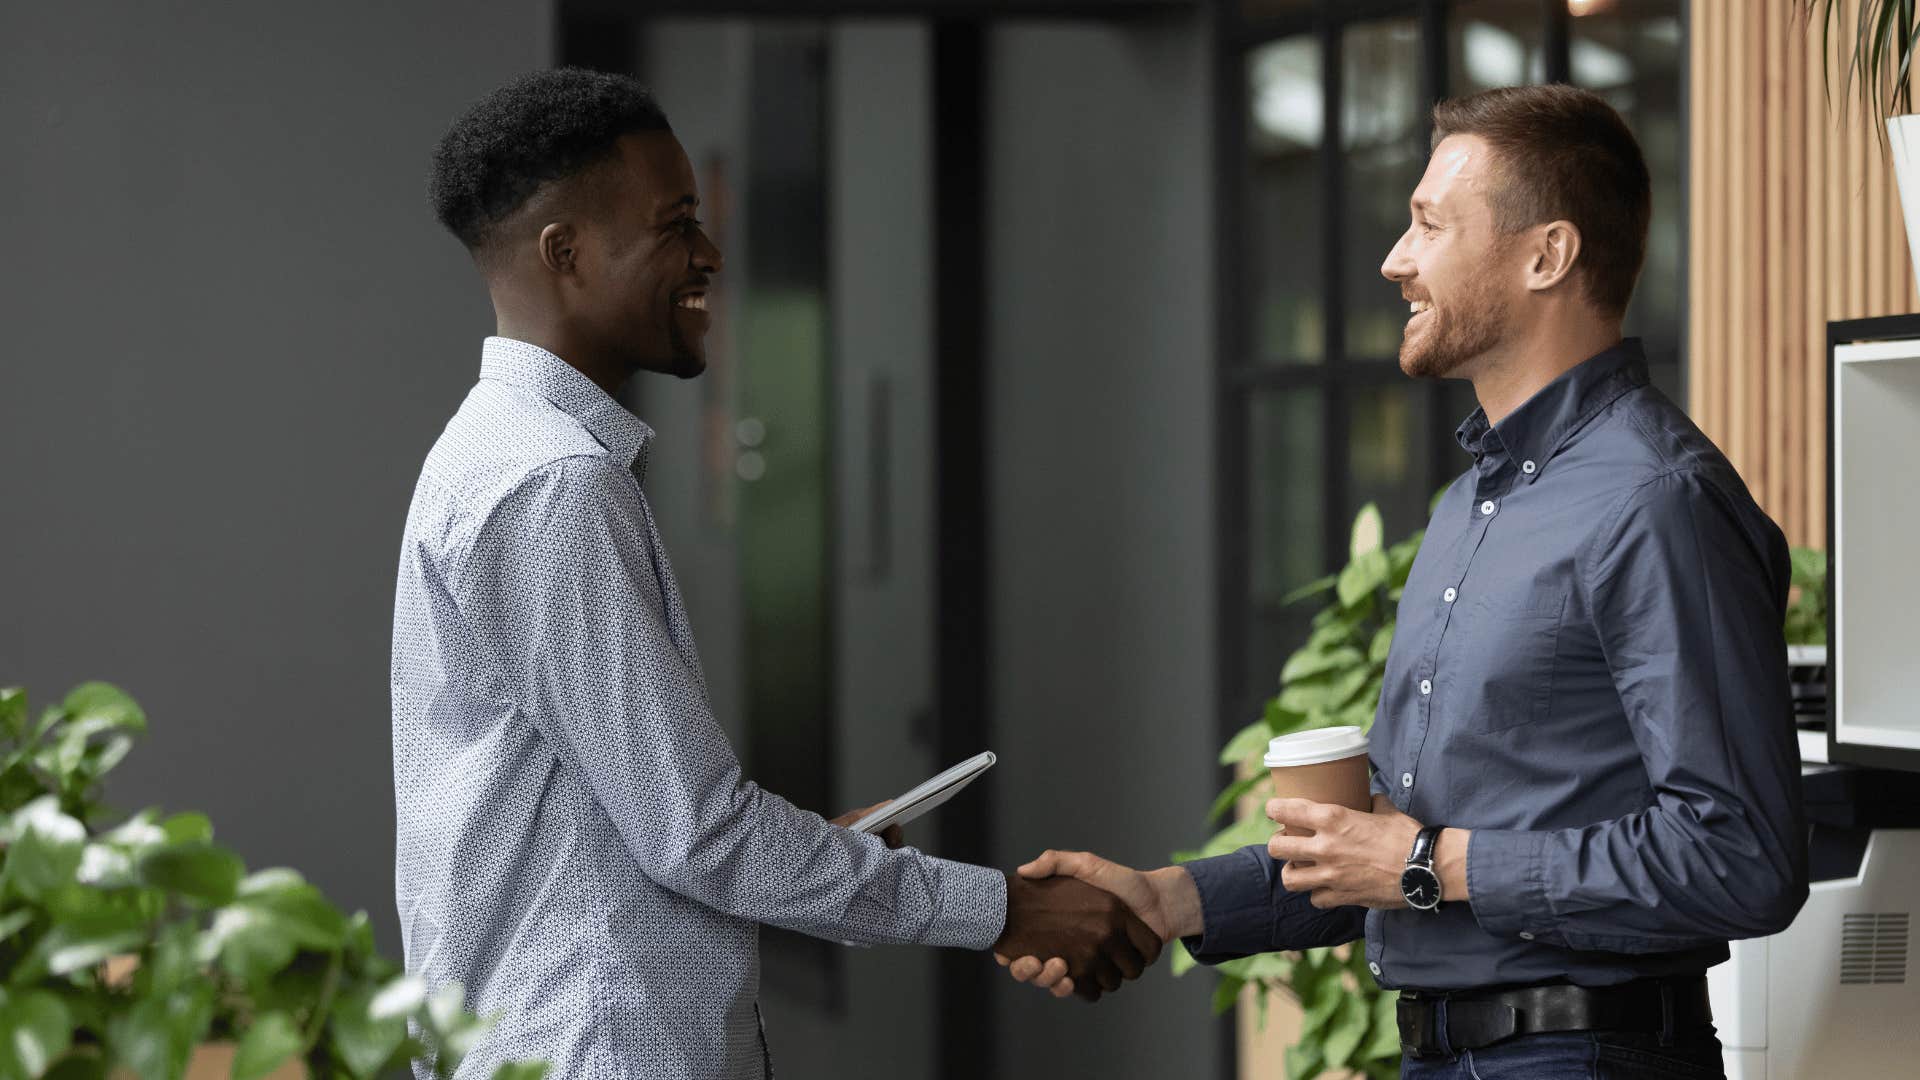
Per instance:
{"type": "Point", "coordinates": [644, 263]}
{"type": "Point", "coordinates": [1455, 269]}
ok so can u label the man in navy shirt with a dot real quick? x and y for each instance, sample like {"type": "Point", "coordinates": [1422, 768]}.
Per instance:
{"type": "Point", "coordinates": [1584, 769]}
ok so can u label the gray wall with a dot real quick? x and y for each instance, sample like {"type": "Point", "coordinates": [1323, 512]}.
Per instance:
{"type": "Point", "coordinates": [1099, 338]}
{"type": "Point", "coordinates": [232, 329]}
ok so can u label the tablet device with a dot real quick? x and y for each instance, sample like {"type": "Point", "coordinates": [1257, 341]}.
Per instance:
{"type": "Point", "coordinates": [927, 796]}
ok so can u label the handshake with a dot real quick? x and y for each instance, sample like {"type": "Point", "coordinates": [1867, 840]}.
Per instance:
{"type": "Point", "coordinates": [1096, 923]}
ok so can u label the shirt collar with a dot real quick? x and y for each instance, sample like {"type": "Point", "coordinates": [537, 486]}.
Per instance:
{"type": "Point", "coordinates": [1536, 430]}
{"type": "Point", "coordinates": [517, 363]}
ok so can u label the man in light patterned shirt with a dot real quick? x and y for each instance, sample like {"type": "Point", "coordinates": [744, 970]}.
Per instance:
{"type": "Point", "coordinates": [577, 845]}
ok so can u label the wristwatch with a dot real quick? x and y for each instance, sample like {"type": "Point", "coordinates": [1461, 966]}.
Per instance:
{"type": "Point", "coordinates": [1419, 882]}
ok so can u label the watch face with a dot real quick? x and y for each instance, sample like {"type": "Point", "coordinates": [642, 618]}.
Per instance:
{"type": "Point", "coordinates": [1421, 886]}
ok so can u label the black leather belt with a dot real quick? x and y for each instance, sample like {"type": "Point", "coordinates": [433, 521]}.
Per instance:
{"type": "Point", "coordinates": [1477, 1018]}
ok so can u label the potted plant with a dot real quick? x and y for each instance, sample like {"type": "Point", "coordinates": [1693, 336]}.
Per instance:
{"type": "Point", "coordinates": [1879, 67]}
{"type": "Point", "coordinates": [137, 946]}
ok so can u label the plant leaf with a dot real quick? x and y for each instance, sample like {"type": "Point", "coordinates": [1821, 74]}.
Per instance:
{"type": "Point", "coordinates": [141, 1039]}
{"type": "Point", "coordinates": [299, 909]}
{"type": "Point", "coordinates": [1283, 721]}
{"type": "Point", "coordinates": [1225, 993]}
{"type": "Point", "coordinates": [521, 1070]}
{"type": "Point", "coordinates": [446, 1007]}
{"type": "Point", "coordinates": [1347, 1027]}
{"type": "Point", "coordinates": [362, 1041]}
{"type": "Point", "coordinates": [1362, 576]}
{"type": "Point", "coordinates": [106, 703]}
{"type": "Point", "coordinates": [1385, 1042]}
{"type": "Point", "coordinates": [1252, 830]}
{"type": "Point", "coordinates": [1309, 695]}
{"type": "Point", "coordinates": [1382, 644]}
{"type": "Point", "coordinates": [13, 921]}
{"type": "Point", "coordinates": [1311, 661]}
{"type": "Point", "coordinates": [1368, 532]}
{"type": "Point", "coordinates": [250, 945]}
{"type": "Point", "coordinates": [398, 998]}
{"type": "Point", "coordinates": [1225, 801]}
{"type": "Point", "coordinates": [13, 712]}
{"type": "Point", "coordinates": [200, 872]}
{"type": "Point", "coordinates": [1326, 994]}
{"type": "Point", "coordinates": [170, 963]}
{"type": "Point", "coordinates": [46, 849]}
{"type": "Point", "coordinates": [271, 1040]}
{"type": "Point", "coordinates": [82, 938]}
{"type": "Point", "coordinates": [1271, 965]}
{"type": "Point", "coordinates": [38, 1030]}
{"type": "Point", "coordinates": [1250, 740]}
{"type": "Point", "coordinates": [189, 828]}
{"type": "Point", "coordinates": [1311, 588]}
{"type": "Point", "coordinates": [79, 1066]}
{"type": "Point", "coordinates": [1305, 1061]}
{"type": "Point", "coordinates": [1182, 960]}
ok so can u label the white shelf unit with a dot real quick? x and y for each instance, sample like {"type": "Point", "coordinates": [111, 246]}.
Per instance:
{"type": "Point", "coordinates": [1875, 547]}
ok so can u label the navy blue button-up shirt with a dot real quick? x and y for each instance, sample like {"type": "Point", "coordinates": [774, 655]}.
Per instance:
{"type": "Point", "coordinates": [1589, 673]}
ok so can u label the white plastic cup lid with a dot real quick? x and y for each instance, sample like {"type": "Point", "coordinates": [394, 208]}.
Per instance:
{"type": "Point", "coordinates": [1315, 747]}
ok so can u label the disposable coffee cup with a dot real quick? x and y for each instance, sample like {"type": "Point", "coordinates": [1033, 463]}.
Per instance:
{"type": "Point", "coordinates": [1326, 765]}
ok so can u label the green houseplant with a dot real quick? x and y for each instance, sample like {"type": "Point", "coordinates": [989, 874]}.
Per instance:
{"type": "Point", "coordinates": [1807, 614]}
{"type": "Point", "coordinates": [1333, 679]}
{"type": "Point", "coordinates": [1878, 44]}
{"type": "Point", "coordinates": [126, 944]}
{"type": "Point", "coordinates": [1885, 34]}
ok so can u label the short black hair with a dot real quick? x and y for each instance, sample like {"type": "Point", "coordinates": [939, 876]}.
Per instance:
{"type": "Point", "coordinates": [541, 127]}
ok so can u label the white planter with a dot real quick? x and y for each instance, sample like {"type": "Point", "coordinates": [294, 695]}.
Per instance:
{"type": "Point", "coordinates": [1903, 137]}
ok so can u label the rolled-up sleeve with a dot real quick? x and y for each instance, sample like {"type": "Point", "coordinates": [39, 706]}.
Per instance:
{"type": "Point", "coordinates": [1687, 595]}
{"type": "Point", "coordinates": [562, 583]}
{"type": "Point", "coordinates": [1246, 910]}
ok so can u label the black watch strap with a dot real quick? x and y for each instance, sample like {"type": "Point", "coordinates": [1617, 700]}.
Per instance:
{"type": "Point", "coordinates": [1423, 846]}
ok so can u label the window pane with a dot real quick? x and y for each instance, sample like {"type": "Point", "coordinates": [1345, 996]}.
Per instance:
{"type": "Point", "coordinates": [1382, 135]}
{"type": "Point", "coordinates": [1387, 452]}
{"type": "Point", "coordinates": [1284, 120]}
{"type": "Point", "coordinates": [1632, 52]}
{"type": "Point", "coordinates": [1285, 480]}
{"type": "Point", "coordinates": [1495, 43]}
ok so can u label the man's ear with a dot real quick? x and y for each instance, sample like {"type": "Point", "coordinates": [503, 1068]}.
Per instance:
{"type": "Point", "coordinates": [558, 243]}
{"type": "Point", "coordinates": [1552, 250]}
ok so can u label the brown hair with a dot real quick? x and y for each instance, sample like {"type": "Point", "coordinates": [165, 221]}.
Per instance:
{"type": "Point", "coordinates": [1565, 155]}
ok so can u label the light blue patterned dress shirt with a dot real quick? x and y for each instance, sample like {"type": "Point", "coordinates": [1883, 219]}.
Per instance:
{"type": "Point", "coordinates": [577, 845]}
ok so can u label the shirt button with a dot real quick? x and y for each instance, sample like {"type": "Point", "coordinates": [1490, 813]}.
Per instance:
{"type": "Point", "coordinates": [1449, 595]}
{"type": "Point", "coordinates": [1526, 935]}
{"type": "Point", "coordinates": [1487, 507]}
{"type": "Point", "coordinates": [1375, 968]}
{"type": "Point", "coordinates": [1426, 686]}
{"type": "Point", "coordinates": [1406, 779]}
{"type": "Point", "coordinates": [1528, 467]}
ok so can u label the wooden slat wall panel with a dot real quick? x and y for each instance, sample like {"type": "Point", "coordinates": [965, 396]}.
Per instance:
{"type": "Point", "coordinates": [1793, 220]}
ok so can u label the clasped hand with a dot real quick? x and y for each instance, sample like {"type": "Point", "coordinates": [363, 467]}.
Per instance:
{"type": "Point", "coordinates": [1353, 859]}
{"type": "Point", "coordinates": [1096, 940]}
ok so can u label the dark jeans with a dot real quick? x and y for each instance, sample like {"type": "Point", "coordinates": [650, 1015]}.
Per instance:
{"type": "Point", "coordinates": [1580, 1055]}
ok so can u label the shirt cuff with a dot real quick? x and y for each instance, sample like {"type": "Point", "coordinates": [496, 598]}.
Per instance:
{"type": "Point", "coordinates": [1506, 883]}
{"type": "Point", "coordinates": [1236, 904]}
{"type": "Point", "coordinates": [972, 905]}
